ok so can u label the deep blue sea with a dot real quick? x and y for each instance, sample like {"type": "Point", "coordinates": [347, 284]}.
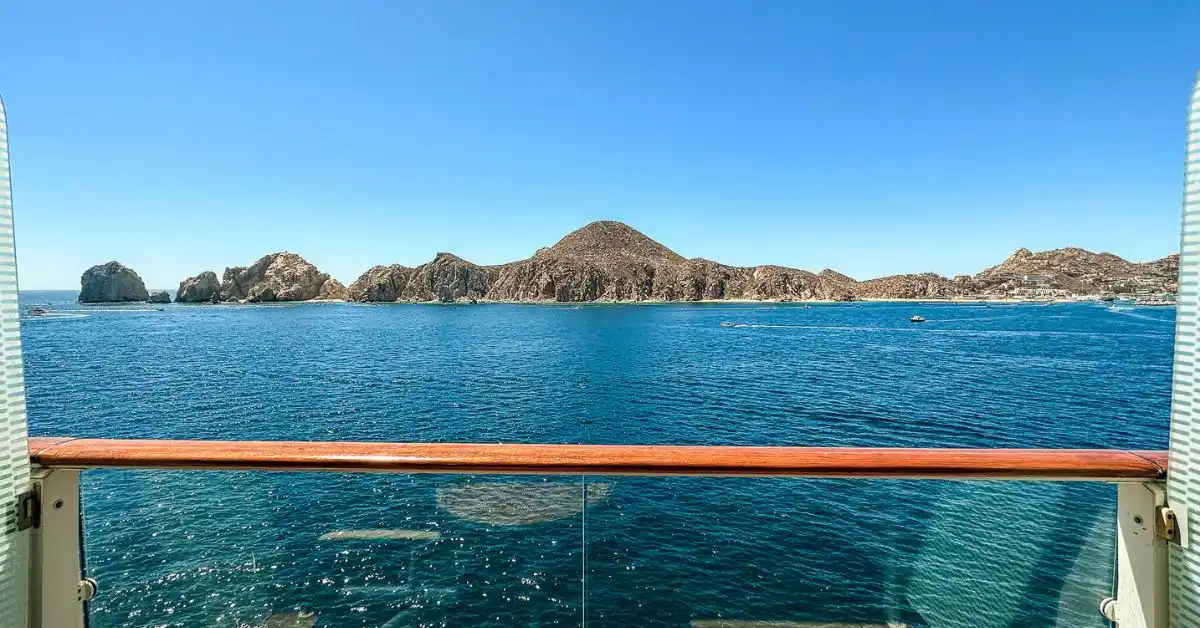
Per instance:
{"type": "Point", "coordinates": [253, 549]}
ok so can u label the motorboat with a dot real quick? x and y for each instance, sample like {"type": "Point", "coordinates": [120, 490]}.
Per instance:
{"type": "Point", "coordinates": [917, 318]}
{"type": "Point", "coordinates": [38, 311]}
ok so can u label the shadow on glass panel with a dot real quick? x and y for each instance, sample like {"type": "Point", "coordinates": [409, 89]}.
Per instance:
{"type": "Point", "coordinates": [742, 553]}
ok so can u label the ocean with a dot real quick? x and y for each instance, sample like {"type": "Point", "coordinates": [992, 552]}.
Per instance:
{"type": "Point", "coordinates": [257, 549]}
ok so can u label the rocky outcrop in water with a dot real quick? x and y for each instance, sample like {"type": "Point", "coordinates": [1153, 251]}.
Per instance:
{"type": "Point", "coordinates": [448, 278]}
{"type": "Point", "coordinates": [279, 277]}
{"type": "Point", "coordinates": [161, 296]}
{"type": "Point", "coordinates": [199, 289]}
{"type": "Point", "coordinates": [111, 283]}
{"type": "Point", "coordinates": [381, 284]}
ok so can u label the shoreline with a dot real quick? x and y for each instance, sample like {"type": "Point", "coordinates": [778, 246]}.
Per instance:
{"type": "Point", "coordinates": [804, 302]}
{"type": "Point", "coordinates": [699, 302]}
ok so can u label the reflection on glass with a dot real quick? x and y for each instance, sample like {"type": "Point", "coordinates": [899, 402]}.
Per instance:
{"type": "Point", "coordinates": [517, 502]}
{"type": "Point", "coordinates": [310, 550]}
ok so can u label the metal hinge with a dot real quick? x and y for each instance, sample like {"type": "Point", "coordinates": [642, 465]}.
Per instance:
{"type": "Point", "coordinates": [1166, 524]}
{"type": "Point", "coordinates": [29, 511]}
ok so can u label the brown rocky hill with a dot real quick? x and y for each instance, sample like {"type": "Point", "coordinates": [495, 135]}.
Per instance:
{"type": "Point", "coordinates": [380, 284]}
{"type": "Point", "coordinates": [922, 286]}
{"type": "Point", "coordinates": [602, 261]}
{"type": "Point", "coordinates": [1078, 271]}
{"type": "Point", "coordinates": [611, 261]}
{"type": "Point", "coordinates": [447, 278]}
{"type": "Point", "coordinates": [279, 277]}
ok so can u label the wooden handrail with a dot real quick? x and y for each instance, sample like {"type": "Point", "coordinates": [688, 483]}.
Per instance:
{"type": "Point", "coordinates": [1008, 464]}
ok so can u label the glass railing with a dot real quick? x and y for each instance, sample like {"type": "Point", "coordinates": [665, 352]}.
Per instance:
{"type": "Point", "coordinates": [236, 548]}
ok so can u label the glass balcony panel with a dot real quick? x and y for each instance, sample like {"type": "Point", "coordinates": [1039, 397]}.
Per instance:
{"type": "Point", "coordinates": [780, 553]}
{"type": "Point", "coordinates": [298, 550]}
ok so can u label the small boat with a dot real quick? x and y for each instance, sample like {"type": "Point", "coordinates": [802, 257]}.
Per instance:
{"type": "Point", "coordinates": [917, 318]}
{"type": "Point", "coordinates": [38, 311]}
{"type": "Point", "coordinates": [728, 324]}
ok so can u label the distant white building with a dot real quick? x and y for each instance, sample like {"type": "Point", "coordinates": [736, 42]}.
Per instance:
{"type": "Point", "coordinates": [1039, 280]}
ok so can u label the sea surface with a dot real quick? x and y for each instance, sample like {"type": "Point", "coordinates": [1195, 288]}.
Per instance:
{"type": "Point", "coordinates": [259, 549]}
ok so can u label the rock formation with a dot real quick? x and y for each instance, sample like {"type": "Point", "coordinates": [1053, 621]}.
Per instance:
{"type": "Point", "coordinates": [279, 277]}
{"type": "Point", "coordinates": [447, 278]}
{"type": "Point", "coordinates": [111, 283]}
{"type": "Point", "coordinates": [381, 284]}
{"type": "Point", "coordinates": [922, 286]}
{"type": "Point", "coordinates": [161, 296]}
{"type": "Point", "coordinates": [198, 289]}
{"type": "Point", "coordinates": [610, 261]}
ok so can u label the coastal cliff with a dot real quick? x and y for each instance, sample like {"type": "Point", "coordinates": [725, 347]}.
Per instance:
{"type": "Point", "coordinates": [111, 283]}
{"type": "Point", "coordinates": [611, 261]}
{"type": "Point", "coordinates": [446, 279]}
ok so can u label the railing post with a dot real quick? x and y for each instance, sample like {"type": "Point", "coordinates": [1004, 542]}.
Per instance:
{"type": "Point", "coordinates": [1142, 589]}
{"type": "Point", "coordinates": [57, 589]}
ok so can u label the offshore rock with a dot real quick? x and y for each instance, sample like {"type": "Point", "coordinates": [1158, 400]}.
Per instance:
{"type": "Point", "coordinates": [279, 277]}
{"type": "Point", "coordinates": [162, 296]}
{"type": "Point", "coordinates": [198, 289]}
{"type": "Point", "coordinates": [111, 283]}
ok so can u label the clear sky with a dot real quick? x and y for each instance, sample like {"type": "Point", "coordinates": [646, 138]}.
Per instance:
{"type": "Point", "coordinates": [869, 137]}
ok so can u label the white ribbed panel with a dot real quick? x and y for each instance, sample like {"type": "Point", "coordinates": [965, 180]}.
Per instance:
{"type": "Point", "coordinates": [1183, 485]}
{"type": "Point", "coordinates": [14, 452]}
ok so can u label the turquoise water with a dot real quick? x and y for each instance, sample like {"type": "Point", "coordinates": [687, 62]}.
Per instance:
{"type": "Point", "coordinates": [176, 548]}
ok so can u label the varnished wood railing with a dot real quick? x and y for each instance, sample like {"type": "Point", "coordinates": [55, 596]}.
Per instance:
{"type": "Point", "coordinates": [1010, 464]}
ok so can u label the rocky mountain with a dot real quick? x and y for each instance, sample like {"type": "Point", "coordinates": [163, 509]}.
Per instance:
{"type": "Point", "coordinates": [279, 277]}
{"type": "Point", "coordinates": [199, 289]}
{"type": "Point", "coordinates": [1078, 271]}
{"type": "Point", "coordinates": [111, 283]}
{"type": "Point", "coordinates": [611, 261]}
{"type": "Point", "coordinates": [160, 296]}
{"type": "Point", "coordinates": [603, 261]}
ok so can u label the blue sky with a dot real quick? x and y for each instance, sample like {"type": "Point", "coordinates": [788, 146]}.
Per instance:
{"type": "Point", "coordinates": [869, 137]}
